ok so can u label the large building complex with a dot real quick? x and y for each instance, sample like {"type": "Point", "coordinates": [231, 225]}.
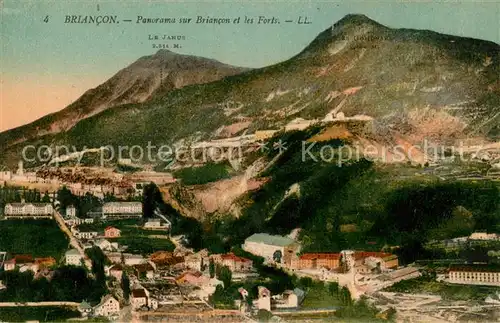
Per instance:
{"type": "Point", "coordinates": [28, 210]}
{"type": "Point", "coordinates": [475, 274]}
{"type": "Point", "coordinates": [273, 248]}
{"type": "Point", "coordinates": [316, 261]}
{"type": "Point", "coordinates": [122, 209]}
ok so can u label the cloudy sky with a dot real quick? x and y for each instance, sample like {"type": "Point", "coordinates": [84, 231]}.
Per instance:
{"type": "Point", "coordinates": [45, 65]}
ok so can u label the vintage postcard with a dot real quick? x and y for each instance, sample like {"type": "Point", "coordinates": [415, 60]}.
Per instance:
{"type": "Point", "coordinates": [250, 161]}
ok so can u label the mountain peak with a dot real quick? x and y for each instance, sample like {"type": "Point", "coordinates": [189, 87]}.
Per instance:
{"type": "Point", "coordinates": [164, 52]}
{"type": "Point", "coordinates": [356, 20]}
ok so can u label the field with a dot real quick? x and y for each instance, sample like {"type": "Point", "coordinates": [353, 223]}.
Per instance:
{"type": "Point", "coordinates": [41, 314]}
{"type": "Point", "coordinates": [134, 236]}
{"type": "Point", "coordinates": [318, 296]}
{"type": "Point", "coordinates": [39, 238]}
{"type": "Point", "coordinates": [128, 227]}
{"type": "Point", "coordinates": [452, 292]}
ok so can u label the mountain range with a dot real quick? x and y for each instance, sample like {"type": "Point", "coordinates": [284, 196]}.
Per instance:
{"type": "Point", "coordinates": [413, 84]}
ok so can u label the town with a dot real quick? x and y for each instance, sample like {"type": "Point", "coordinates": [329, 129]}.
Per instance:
{"type": "Point", "coordinates": [149, 284]}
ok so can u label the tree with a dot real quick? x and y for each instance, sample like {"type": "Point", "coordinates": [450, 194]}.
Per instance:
{"type": "Point", "coordinates": [150, 197]}
{"type": "Point", "coordinates": [46, 198]}
{"type": "Point", "coordinates": [98, 260]}
{"type": "Point", "coordinates": [333, 288]}
{"type": "Point", "coordinates": [65, 198]}
{"type": "Point", "coordinates": [225, 275]}
{"type": "Point", "coordinates": [277, 255]}
{"type": "Point", "coordinates": [125, 286]}
{"type": "Point", "coordinates": [264, 315]}
{"type": "Point", "coordinates": [345, 296]}
{"type": "Point", "coordinates": [211, 268]}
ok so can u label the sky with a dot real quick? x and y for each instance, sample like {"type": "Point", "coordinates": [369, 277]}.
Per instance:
{"type": "Point", "coordinates": [45, 63]}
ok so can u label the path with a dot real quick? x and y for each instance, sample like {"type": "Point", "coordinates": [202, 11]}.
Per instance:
{"type": "Point", "coordinates": [72, 240]}
{"type": "Point", "coordinates": [16, 304]}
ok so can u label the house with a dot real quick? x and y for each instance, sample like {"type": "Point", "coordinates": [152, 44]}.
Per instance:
{"type": "Point", "coordinates": [42, 263]}
{"type": "Point", "coordinates": [475, 274]}
{"type": "Point", "coordinates": [86, 234]}
{"type": "Point", "coordinates": [157, 224]}
{"type": "Point", "coordinates": [108, 306]}
{"type": "Point", "coordinates": [114, 257]}
{"type": "Point", "coordinates": [9, 264]}
{"type": "Point", "coordinates": [35, 210]}
{"type": "Point", "coordinates": [131, 259]}
{"type": "Point", "coordinates": [197, 260]}
{"type": "Point", "coordinates": [25, 262]}
{"type": "Point", "coordinates": [316, 261]}
{"type": "Point", "coordinates": [84, 308]}
{"type": "Point", "coordinates": [289, 299]}
{"type": "Point", "coordinates": [73, 257]}
{"type": "Point", "coordinates": [122, 209]}
{"type": "Point", "coordinates": [165, 259]}
{"type": "Point", "coordinates": [273, 248]}
{"type": "Point", "coordinates": [105, 245]}
{"type": "Point", "coordinates": [233, 262]}
{"type": "Point", "coordinates": [383, 260]}
{"type": "Point", "coordinates": [115, 271]}
{"type": "Point", "coordinates": [138, 298]}
{"type": "Point", "coordinates": [144, 270]}
{"type": "Point", "coordinates": [263, 301]}
{"type": "Point", "coordinates": [192, 278]}
{"type": "Point", "coordinates": [71, 211]}
{"type": "Point", "coordinates": [111, 232]}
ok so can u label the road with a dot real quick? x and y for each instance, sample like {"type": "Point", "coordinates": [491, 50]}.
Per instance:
{"type": "Point", "coordinates": [16, 304]}
{"type": "Point", "coordinates": [75, 243]}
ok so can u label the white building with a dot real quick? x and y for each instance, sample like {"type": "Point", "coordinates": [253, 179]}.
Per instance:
{"type": "Point", "coordinates": [122, 209]}
{"type": "Point", "coordinates": [484, 236]}
{"type": "Point", "coordinates": [272, 248]}
{"type": "Point", "coordinates": [73, 257]}
{"type": "Point", "coordinates": [71, 211]}
{"type": "Point", "coordinates": [105, 245]}
{"type": "Point", "coordinates": [138, 298]}
{"type": "Point", "coordinates": [28, 209]}
{"type": "Point", "coordinates": [157, 224]}
{"type": "Point", "coordinates": [108, 306]}
{"type": "Point", "coordinates": [475, 275]}
{"type": "Point", "coordinates": [131, 259]}
{"type": "Point", "coordinates": [263, 302]}
{"type": "Point", "coordinates": [86, 234]}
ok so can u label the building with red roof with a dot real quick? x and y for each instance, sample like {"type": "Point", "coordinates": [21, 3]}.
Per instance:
{"type": "Point", "coordinates": [233, 262]}
{"type": "Point", "coordinates": [317, 260]}
{"type": "Point", "coordinates": [111, 232]}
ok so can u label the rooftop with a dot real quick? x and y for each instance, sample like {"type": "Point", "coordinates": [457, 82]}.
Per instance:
{"type": "Point", "coordinates": [375, 254]}
{"type": "Point", "coordinates": [72, 252]}
{"type": "Point", "coordinates": [23, 259]}
{"type": "Point", "coordinates": [232, 256]}
{"type": "Point", "coordinates": [85, 306]}
{"type": "Point", "coordinates": [104, 299]}
{"type": "Point", "coordinates": [268, 239]}
{"type": "Point", "coordinates": [26, 204]}
{"type": "Point", "coordinates": [320, 255]}
{"type": "Point", "coordinates": [139, 293]}
{"type": "Point", "coordinates": [144, 267]}
{"type": "Point", "coordinates": [123, 204]}
{"type": "Point", "coordinates": [476, 268]}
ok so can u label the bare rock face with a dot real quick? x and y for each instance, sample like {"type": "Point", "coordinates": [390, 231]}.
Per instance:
{"type": "Point", "coordinates": [149, 76]}
{"type": "Point", "coordinates": [409, 84]}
